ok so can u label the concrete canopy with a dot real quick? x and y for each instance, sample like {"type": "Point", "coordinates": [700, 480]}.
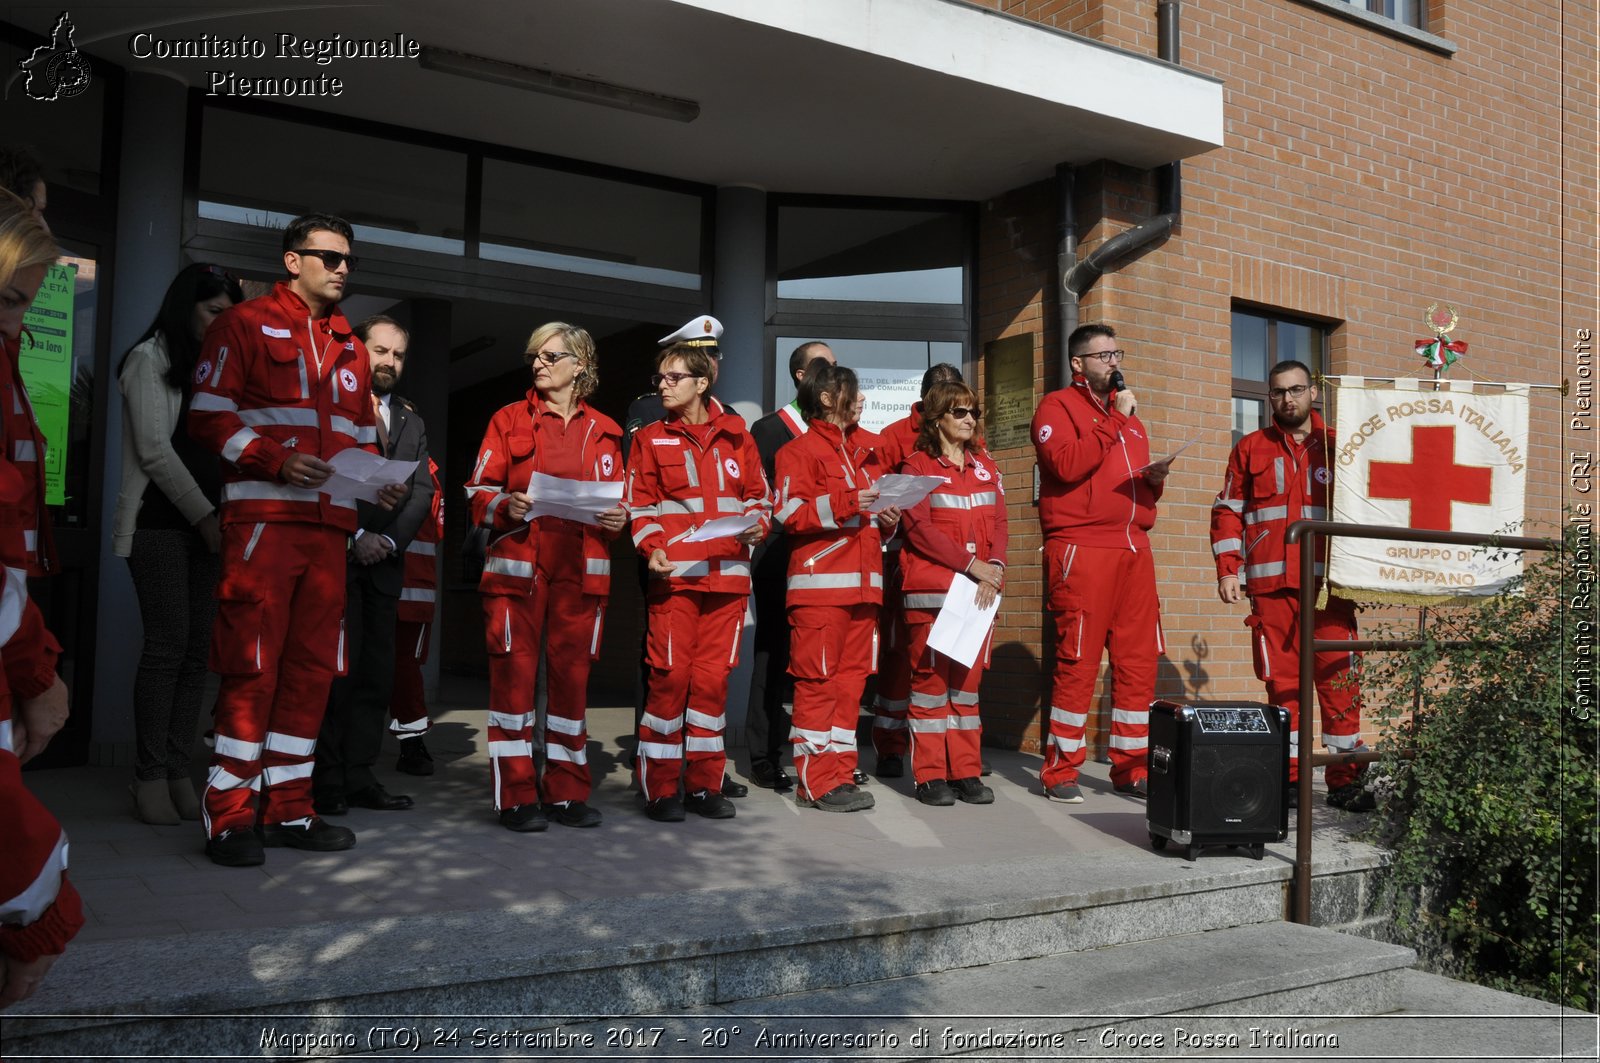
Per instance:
{"type": "Point", "coordinates": [925, 98]}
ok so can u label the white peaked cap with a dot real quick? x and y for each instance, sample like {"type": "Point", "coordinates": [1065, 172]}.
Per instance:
{"type": "Point", "coordinates": [703, 331]}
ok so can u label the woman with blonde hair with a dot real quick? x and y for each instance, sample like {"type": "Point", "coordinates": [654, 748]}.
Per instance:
{"type": "Point", "coordinates": [544, 579]}
{"type": "Point", "coordinates": [42, 911]}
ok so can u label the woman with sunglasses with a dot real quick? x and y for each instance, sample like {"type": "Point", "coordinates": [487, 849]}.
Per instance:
{"type": "Point", "coordinates": [835, 585]}
{"type": "Point", "coordinates": [166, 526]}
{"type": "Point", "coordinates": [697, 465]}
{"type": "Point", "coordinates": [958, 530]}
{"type": "Point", "coordinates": [43, 911]}
{"type": "Point", "coordinates": [544, 578]}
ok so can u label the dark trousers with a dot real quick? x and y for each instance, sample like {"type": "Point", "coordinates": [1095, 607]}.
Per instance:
{"type": "Point", "coordinates": [766, 724]}
{"type": "Point", "coordinates": [175, 578]}
{"type": "Point", "coordinates": [358, 704]}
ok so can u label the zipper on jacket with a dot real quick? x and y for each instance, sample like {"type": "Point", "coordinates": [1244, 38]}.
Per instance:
{"type": "Point", "coordinates": [1253, 543]}
{"type": "Point", "coordinates": [825, 551]}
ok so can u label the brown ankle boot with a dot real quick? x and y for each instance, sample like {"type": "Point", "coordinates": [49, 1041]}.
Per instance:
{"type": "Point", "coordinates": [152, 803]}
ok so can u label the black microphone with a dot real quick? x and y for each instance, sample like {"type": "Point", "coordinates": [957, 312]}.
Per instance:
{"type": "Point", "coordinates": [1116, 381]}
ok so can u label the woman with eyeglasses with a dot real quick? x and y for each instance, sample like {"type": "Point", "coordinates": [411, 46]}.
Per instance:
{"type": "Point", "coordinates": [43, 911]}
{"type": "Point", "coordinates": [166, 526]}
{"type": "Point", "coordinates": [546, 577]}
{"type": "Point", "coordinates": [957, 531]}
{"type": "Point", "coordinates": [698, 465]}
{"type": "Point", "coordinates": [825, 493]}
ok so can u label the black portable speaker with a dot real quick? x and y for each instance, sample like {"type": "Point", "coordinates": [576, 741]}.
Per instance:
{"type": "Point", "coordinates": [1218, 773]}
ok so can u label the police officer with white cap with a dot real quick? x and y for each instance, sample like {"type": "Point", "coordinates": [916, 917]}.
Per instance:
{"type": "Point", "coordinates": [704, 331]}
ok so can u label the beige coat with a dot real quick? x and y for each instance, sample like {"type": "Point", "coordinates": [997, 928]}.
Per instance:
{"type": "Point", "coordinates": [150, 409]}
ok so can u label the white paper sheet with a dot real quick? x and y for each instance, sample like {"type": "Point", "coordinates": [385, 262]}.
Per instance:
{"type": "Point", "coordinates": [721, 528]}
{"type": "Point", "coordinates": [358, 475]}
{"type": "Point", "coordinates": [577, 500]}
{"type": "Point", "coordinates": [1170, 457]}
{"type": "Point", "coordinates": [960, 628]}
{"type": "Point", "coordinates": [905, 491]}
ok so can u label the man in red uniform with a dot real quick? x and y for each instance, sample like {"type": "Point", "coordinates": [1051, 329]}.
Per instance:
{"type": "Point", "coordinates": [1097, 502]}
{"type": "Point", "coordinates": [1276, 476]}
{"type": "Point", "coordinates": [890, 737]}
{"type": "Point", "coordinates": [408, 706]}
{"type": "Point", "coordinates": [283, 385]}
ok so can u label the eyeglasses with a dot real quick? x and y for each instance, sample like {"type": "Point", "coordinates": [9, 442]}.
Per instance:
{"type": "Point", "coordinates": [671, 379]}
{"type": "Point", "coordinates": [961, 413]}
{"type": "Point", "coordinates": [548, 358]}
{"type": "Point", "coordinates": [1107, 357]}
{"type": "Point", "coordinates": [1294, 393]}
{"type": "Point", "coordinates": [331, 259]}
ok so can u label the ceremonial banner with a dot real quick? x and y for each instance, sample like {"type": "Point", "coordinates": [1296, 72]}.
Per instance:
{"type": "Point", "coordinates": [1412, 457]}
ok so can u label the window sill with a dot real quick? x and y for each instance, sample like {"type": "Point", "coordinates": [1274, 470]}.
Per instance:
{"type": "Point", "coordinates": [1422, 38]}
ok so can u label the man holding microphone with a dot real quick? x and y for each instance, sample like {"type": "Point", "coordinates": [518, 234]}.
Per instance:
{"type": "Point", "coordinates": [1097, 503]}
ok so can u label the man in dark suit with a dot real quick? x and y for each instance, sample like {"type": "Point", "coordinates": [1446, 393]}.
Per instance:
{"type": "Point", "coordinates": [766, 725]}
{"type": "Point", "coordinates": [358, 704]}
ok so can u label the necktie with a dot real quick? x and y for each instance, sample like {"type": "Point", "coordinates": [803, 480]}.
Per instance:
{"type": "Point", "coordinates": [383, 432]}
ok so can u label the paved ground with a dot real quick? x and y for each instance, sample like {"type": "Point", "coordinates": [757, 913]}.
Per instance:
{"type": "Point", "coordinates": [449, 854]}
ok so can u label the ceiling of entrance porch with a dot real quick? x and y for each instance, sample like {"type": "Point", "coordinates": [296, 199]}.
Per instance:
{"type": "Point", "coordinates": [932, 98]}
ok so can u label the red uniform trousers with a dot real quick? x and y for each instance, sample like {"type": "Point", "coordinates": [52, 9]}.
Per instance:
{"type": "Point", "coordinates": [889, 731]}
{"type": "Point", "coordinates": [946, 728]}
{"type": "Point", "coordinates": [277, 644]}
{"type": "Point", "coordinates": [1275, 639]}
{"type": "Point", "coordinates": [832, 650]}
{"type": "Point", "coordinates": [691, 644]}
{"type": "Point", "coordinates": [1101, 598]}
{"type": "Point", "coordinates": [408, 705]}
{"type": "Point", "coordinates": [570, 623]}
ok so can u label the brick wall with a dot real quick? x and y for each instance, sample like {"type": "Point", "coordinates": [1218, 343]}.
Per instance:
{"type": "Point", "coordinates": [1364, 177]}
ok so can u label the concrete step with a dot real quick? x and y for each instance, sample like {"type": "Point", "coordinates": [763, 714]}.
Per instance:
{"type": "Point", "coordinates": [640, 954]}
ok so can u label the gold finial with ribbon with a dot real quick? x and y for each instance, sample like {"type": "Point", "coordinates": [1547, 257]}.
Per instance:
{"type": "Point", "coordinates": [1440, 353]}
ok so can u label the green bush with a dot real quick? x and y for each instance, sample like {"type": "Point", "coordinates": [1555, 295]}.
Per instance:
{"type": "Point", "coordinates": [1492, 826]}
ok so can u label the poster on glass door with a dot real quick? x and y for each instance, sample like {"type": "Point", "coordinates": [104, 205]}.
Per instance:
{"type": "Point", "coordinates": [887, 395]}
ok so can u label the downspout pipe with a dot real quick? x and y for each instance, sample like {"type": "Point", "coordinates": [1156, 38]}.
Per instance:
{"type": "Point", "coordinates": [1078, 277]}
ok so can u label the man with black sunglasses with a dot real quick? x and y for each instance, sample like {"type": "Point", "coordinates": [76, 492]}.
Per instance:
{"type": "Point", "coordinates": [1097, 503]}
{"type": "Point", "coordinates": [283, 385]}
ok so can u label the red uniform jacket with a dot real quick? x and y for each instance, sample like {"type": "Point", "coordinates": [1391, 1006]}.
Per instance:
{"type": "Point", "coordinates": [836, 553]}
{"type": "Point", "coordinates": [511, 453]}
{"type": "Point", "coordinates": [962, 522]}
{"type": "Point", "coordinates": [1271, 483]}
{"type": "Point", "coordinates": [25, 448]}
{"type": "Point", "coordinates": [899, 439]}
{"type": "Point", "coordinates": [676, 483]}
{"type": "Point", "coordinates": [419, 583]}
{"type": "Point", "coordinates": [1092, 492]}
{"type": "Point", "coordinates": [39, 909]}
{"type": "Point", "coordinates": [272, 380]}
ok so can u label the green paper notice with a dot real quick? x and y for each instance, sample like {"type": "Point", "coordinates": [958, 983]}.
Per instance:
{"type": "Point", "coordinates": [46, 367]}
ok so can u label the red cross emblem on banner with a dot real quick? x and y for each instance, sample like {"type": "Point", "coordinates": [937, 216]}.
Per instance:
{"type": "Point", "coordinates": [1431, 480]}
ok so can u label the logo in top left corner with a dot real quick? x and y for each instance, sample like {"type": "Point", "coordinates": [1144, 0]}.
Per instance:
{"type": "Point", "coordinates": [56, 71]}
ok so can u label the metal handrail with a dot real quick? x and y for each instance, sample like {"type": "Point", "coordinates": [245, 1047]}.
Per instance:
{"type": "Point", "coordinates": [1306, 533]}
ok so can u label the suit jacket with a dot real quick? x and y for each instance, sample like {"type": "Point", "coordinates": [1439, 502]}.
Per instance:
{"type": "Point", "coordinates": [408, 441]}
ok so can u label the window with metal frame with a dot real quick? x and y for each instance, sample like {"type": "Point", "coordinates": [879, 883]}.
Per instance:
{"type": "Point", "coordinates": [1262, 339]}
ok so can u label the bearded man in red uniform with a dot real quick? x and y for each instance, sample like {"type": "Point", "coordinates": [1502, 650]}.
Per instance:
{"type": "Point", "coordinates": [1276, 476]}
{"type": "Point", "coordinates": [1097, 503]}
{"type": "Point", "coordinates": [282, 387]}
